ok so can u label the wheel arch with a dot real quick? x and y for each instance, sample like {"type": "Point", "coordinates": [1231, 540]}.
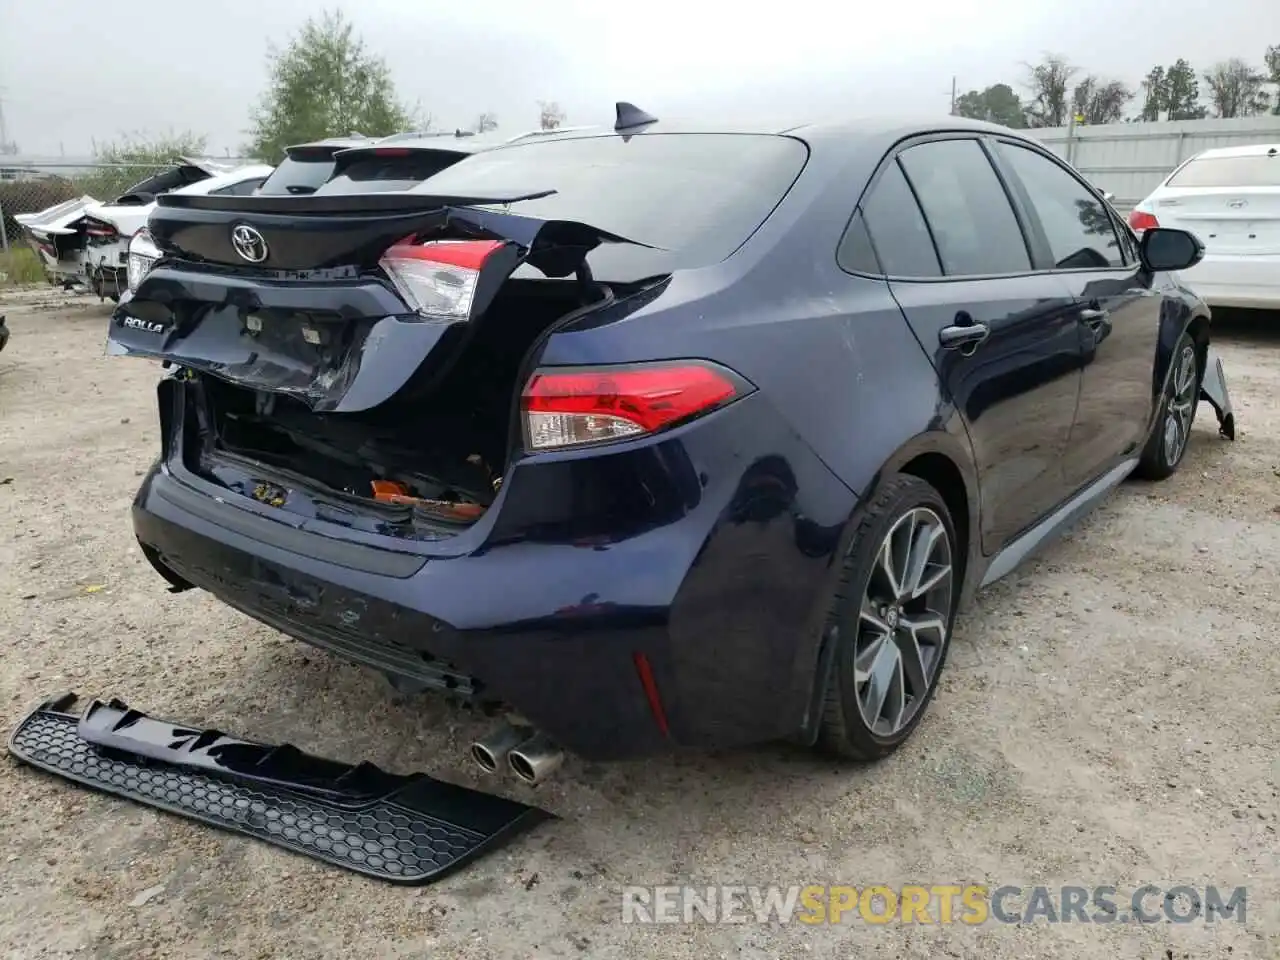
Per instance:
{"type": "Point", "coordinates": [1181, 314]}
{"type": "Point", "coordinates": [944, 461]}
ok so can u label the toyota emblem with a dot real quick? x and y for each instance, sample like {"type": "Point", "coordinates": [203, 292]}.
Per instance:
{"type": "Point", "coordinates": [249, 243]}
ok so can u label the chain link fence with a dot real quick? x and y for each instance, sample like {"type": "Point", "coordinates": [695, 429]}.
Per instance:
{"type": "Point", "coordinates": [36, 186]}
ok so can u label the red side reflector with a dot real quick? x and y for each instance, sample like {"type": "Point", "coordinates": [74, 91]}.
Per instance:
{"type": "Point", "coordinates": [1140, 221]}
{"type": "Point", "coordinates": [650, 685]}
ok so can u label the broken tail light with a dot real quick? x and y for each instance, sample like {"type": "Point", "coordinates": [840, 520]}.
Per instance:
{"type": "Point", "coordinates": [438, 279]}
{"type": "Point", "coordinates": [100, 230]}
{"type": "Point", "coordinates": [573, 407]}
{"type": "Point", "coordinates": [143, 254]}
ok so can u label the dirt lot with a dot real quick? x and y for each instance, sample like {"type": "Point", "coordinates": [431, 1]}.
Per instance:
{"type": "Point", "coordinates": [1109, 715]}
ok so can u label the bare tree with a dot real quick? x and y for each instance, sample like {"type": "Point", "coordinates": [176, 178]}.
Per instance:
{"type": "Point", "coordinates": [550, 116]}
{"type": "Point", "coordinates": [1048, 82]}
{"type": "Point", "coordinates": [1236, 89]}
{"type": "Point", "coordinates": [486, 122]}
{"type": "Point", "coordinates": [1100, 102]}
{"type": "Point", "coordinates": [1272, 59]}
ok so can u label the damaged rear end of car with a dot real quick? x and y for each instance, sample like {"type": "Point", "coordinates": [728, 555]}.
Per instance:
{"type": "Point", "coordinates": [473, 438]}
{"type": "Point", "coordinates": [364, 370]}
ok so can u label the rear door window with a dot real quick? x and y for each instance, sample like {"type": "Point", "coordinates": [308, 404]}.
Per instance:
{"type": "Point", "coordinates": [1075, 221]}
{"type": "Point", "coordinates": [245, 188]}
{"type": "Point", "coordinates": [973, 223]}
{"type": "Point", "coordinates": [387, 168]}
{"type": "Point", "coordinates": [696, 197]}
{"type": "Point", "coordinates": [298, 175]}
{"type": "Point", "coordinates": [897, 228]}
{"type": "Point", "coordinates": [1256, 171]}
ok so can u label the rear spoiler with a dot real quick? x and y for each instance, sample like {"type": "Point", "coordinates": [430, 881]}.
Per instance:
{"type": "Point", "coordinates": [324, 205]}
{"type": "Point", "coordinates": [359, 225]}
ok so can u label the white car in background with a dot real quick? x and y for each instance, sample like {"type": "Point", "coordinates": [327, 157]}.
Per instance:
{"type": "Point", "coordinates": [84, 242]}
{"type": "Point", "coordinates": [1230, 198]}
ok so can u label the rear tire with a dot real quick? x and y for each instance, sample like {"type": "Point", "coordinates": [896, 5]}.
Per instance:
{"type": "Point", "coordinates": [1179, 401]}
{"type": "Point", "coordinates": [891, 620]}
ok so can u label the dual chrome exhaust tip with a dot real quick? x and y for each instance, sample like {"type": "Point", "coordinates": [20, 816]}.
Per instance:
{"type": "Point", "coordinates": [530, 756]}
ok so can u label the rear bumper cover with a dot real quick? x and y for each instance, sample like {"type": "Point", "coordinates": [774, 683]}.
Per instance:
{"type": "Point", "coordinates": [708, 551]}
{"type": "Point", "coordinates": [1226, 281]}
{"type": "Point", "coordinates": [1213, 387]}
{"type": "Point", "coordinates": [408, 829]}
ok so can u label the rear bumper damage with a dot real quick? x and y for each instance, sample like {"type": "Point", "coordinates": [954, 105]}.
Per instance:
{"type": "Point", "coordinates": [1214, 389]}
{"type": "Point", "coordinates": [668, 594]}
{"type": "Point", "coordinates": [406, 829]}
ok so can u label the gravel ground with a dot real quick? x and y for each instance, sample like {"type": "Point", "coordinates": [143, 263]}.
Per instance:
{"type": "Point", "coordinates": [1109, 715]}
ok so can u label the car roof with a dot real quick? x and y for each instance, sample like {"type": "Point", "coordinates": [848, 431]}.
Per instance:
{"type": "Point", "coordinates": [446, 142]}
{"type": "Point", "coordinates": [352, 140]}
{"type": "Point", "coordinates": [1252, 150]}
{"type": "Point", "coordinates": [250, 171]}
{"type": "Point", "coordinates": [851, 134]}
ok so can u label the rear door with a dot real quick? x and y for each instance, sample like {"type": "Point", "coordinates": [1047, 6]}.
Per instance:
{"type": "Point", "coordinates": [1002, 338]}
{"type": "Point", "coordinates": [1074, 235]}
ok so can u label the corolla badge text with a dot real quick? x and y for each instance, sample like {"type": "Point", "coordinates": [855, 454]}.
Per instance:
{"type": "Point", "coordinates": [147, 326]}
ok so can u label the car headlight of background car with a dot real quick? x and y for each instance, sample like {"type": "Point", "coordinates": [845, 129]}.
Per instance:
{"type": "Point", "coordinates": [143, 254]}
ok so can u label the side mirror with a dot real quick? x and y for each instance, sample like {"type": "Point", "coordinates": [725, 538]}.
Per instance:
{"type": "Point", "coordinates": [1164, 249]}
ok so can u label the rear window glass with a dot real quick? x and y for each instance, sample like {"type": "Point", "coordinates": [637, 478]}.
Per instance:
{"type": "Point", "coordinates": [697, 196]}
{"type": "Point", "coordinates": [1260, 171]}
{"type": "Point", "coordinates": [298, 176]}
{"type": "Point", "coordinates": [369, 172]}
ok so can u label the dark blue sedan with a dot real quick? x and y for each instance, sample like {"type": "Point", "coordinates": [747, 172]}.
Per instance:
{"type": "Point", "coordinates": [658, 437]}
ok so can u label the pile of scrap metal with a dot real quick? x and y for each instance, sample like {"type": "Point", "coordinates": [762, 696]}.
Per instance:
{"type": "Point", "coordinates": [84, 243]}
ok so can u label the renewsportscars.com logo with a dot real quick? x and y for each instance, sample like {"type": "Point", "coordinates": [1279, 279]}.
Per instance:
{"type": "Point", "coordinates": [947, 903]}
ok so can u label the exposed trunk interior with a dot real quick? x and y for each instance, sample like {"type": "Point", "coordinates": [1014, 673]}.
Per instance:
{"type": "Point", "coordinates": [438, 451]}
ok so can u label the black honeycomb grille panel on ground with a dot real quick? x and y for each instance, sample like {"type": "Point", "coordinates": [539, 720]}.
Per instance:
{"type": "Point", "coordinates": [415, 834]}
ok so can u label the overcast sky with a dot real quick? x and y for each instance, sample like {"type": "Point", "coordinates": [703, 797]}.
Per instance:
{"type": "Point", "coordinates": [73, 70]}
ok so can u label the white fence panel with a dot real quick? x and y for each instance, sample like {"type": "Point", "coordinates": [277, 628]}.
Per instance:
{"type": "Point", "coordinates": [1130, 159]}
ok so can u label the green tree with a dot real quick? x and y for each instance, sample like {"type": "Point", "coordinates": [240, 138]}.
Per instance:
{"type": "Point", "coordinates": [1155, 95]}
{"type": "Point", "coordinates": [1236, 89]}
{"type": "Point", "coordinates": [1047, 82]}
{"type": "Point", "coordinates": [1182, 92]}
{"type": "Point", "coordinates": [1272, 60]}
{"type": "Point", "coordinates": [1100, 102]}
{"type": "Point", "coordinates": [996, 104]}
{"type": "Point", "coordinates": [1174, 90]}
{"type": "Point", "coordinates": [324, 83]}
{"type": "Point", "coordinates": [132, 159]}
{"type": "Point", "coordinates": [550, 116]}
{"type": "Point", "coordinates": [160, 151]}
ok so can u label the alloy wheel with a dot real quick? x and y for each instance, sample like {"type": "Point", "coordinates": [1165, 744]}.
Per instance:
{"type": "Point", "coordinates": [1181, 406]}
{"type": "Point", "coordinates": [903, 621]}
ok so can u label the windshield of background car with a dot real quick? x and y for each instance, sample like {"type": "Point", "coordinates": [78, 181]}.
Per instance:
{"type": "Point", "coordinates": [382, 169]}
{"type": "Point", "coordinates": [301, 175]}
{"type": "Point", "coordinates": [697, 196]}
{"type": "Point", "coordinates": [1256, 171]}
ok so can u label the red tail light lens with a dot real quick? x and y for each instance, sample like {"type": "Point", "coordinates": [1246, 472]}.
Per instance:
{"type": "Point", "coordinates": [438, 279]}
{"type": "Point", "coordinates": [573, 407]}
{"type": "Point", "coordinates": [103, 231]}
{"type": "Point", "coordinates": [1140, 220]}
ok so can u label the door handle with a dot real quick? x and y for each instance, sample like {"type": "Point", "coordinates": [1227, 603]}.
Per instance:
{"type": "Point", "coordinates": [963, 335]}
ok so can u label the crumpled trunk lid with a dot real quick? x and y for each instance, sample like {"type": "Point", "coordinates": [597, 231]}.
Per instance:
{"type": "Point", "coordinates": [315, 317]}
